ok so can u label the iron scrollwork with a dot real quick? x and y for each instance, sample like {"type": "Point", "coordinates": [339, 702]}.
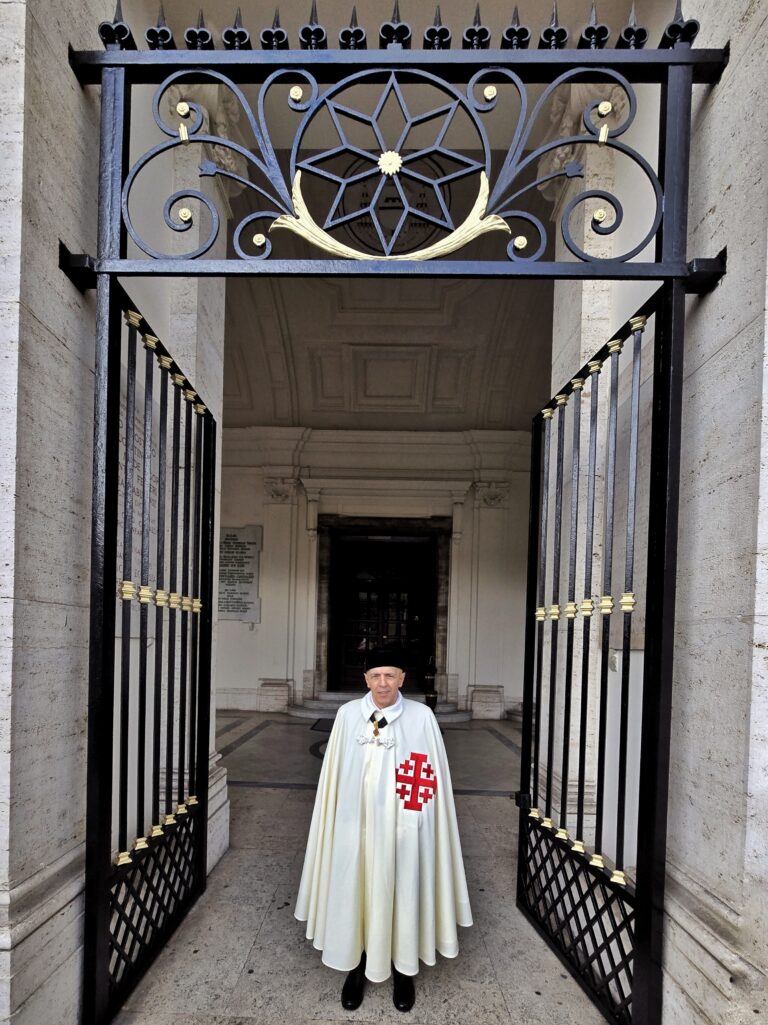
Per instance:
{"type": "Point", "coordinates": [391, 134]}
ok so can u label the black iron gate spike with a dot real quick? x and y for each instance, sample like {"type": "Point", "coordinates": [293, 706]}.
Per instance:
{"type": "Point", "coordinates": [198, 37]}
{"type": "Point", "coordinates": [117, 34]}
{"type": "Point", "coordinates": [437, 36]}
{"type": "Point", "coordinates": [235, 36]}
{"type": "Point", "coordinates": [353, 37]}
{"type": "Point", "coordinates": [477, 36]}
{"type": "Point", "coordinates": [160, 36]}
{"type": "Point", "coordinates": [595, 35]}
{"type": "Point", "coordinates": [274, 38]}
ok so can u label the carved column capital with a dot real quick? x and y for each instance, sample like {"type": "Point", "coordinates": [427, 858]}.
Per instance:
{"type": "Point", "coordinates": [280, 490]}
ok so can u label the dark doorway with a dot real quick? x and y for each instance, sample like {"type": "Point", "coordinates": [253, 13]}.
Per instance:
{"type": "Point", "coordinates": [383, 593]}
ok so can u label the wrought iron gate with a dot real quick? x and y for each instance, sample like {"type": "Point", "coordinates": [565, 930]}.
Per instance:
{"type": "Point", "coordinates": [598, 665]}
{"type": "Point", "coordinates": [150, 660]}
{"type": "Point", "coordinates": [413, 175]}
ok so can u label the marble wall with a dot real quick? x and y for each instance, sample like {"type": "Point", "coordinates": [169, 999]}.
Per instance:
{"type": "Point", "coordinates": [50, 131]}
{"type": "Point", "coordinates": [717, 954]}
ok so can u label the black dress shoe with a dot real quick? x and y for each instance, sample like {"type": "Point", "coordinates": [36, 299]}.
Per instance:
{"type": "Point", "coordinates": [404, 993]}
{"type": "Point", "coordinates": [354, 987]}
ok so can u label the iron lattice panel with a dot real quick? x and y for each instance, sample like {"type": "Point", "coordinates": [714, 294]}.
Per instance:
{"type": "Point", "coordinates": [589, 921]}
{"type": "Point", "coordinates": [148, 899]}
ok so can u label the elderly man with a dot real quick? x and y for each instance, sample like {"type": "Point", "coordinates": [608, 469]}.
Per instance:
{"type": "Point", "coordinates": [383, 885]}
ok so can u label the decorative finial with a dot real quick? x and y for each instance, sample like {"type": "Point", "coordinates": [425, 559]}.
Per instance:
{"type": "Point", "coordinates": [159, 36]}
{"type": "Point", "coordinates": [515, 36]}
{"type": "Point", "coordinates": [679, 32]}
{"type": "Point", "coordinates": [275, 38]}
{"type": "Point", "coordinates": [437, 36]}
{"type": "Point", "coordinates": [477, 36]}
{"type": "Point", "coordinates": [116, 34]}
{"type": "Point", "coordinates": [353, 37]}
{"type": "Point", "coordinates": [199, 37]}
{"type": "Point", "coordinates": [313, 36]}
{"type": "Point", "coordinates": [595, 35]}
{"type": "Point", "coordinates": [555, 36]}
{"type": "Point", "coordinates": [632, 36]}
{"type": "Point", "coordinates": [236, 37]}
{"type": "Point", "coordinates": [395, 32]}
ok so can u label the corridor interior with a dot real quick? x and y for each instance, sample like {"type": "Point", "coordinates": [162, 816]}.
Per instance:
{"type": "Point", "coordinates": [241, 958]}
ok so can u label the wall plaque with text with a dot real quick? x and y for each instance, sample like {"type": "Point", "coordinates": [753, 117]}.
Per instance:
{"type": "Point", "coordinates": [239, 549]}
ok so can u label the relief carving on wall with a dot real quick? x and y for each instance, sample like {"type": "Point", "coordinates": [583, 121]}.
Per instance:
{"type": "Point", "coordinates": [492, 495]}
{"type": "Point", "coordinates": [565, 115]}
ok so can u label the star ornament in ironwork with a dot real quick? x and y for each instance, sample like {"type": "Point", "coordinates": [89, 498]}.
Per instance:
{"type": "Point", "coordinates": [389, 162]}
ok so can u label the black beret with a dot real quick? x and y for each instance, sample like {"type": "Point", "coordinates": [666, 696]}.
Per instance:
{"type": "Point", "coordinates": [394, 656]}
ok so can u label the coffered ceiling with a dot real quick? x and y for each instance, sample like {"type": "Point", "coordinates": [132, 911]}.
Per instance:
{"type": "Point", "coordinates": [405, 354]}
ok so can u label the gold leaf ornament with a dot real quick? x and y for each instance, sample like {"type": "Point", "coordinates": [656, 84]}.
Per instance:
{"type": "Point", "coordinates": [476, 224]}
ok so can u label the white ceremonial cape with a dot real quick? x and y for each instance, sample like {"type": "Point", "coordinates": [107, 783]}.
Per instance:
{"type": "Point", "coordinates": [383, 870]}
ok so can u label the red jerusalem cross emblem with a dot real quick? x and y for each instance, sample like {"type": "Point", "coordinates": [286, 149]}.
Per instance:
{"type": "Point", "coordinates": [417, 782]}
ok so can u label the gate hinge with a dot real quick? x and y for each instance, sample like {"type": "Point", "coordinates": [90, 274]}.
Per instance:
{"type": "Point", "coordinates": [704, 274]}
{"type": "Point", "coordinates": [80, 268]}
{"type": "Point", "coordinates": [523, 800]}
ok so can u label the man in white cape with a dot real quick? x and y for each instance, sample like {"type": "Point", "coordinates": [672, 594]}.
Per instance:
{"type": "Point", "coordinates": [383, 884]}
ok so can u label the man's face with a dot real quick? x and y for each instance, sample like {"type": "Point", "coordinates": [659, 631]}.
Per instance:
{"type": "Point", "coordinates": [384, 682]}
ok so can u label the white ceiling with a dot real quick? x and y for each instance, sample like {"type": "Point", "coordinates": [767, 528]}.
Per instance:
{"type": "Point", "coordinates": [405, 354]}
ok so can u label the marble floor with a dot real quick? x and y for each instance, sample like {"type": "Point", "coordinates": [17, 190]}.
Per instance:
{"type": "Point", "coordinates": [240, 957]}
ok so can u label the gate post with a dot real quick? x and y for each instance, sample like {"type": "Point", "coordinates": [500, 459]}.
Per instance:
{"type": "Point", "coordinates": [674, 160]}
{"type": "Point", "coordinates": [523, 796]}
{"type": "Point", "coordinates": [104, 518]}
{"type": "Point", "coordinates": [208, 543]}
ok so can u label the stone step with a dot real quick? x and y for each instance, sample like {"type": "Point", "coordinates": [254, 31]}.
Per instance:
{"type": "Point", "coordinates": [327, 703]}
{"type": "Point", "coordinates": [332, 699]}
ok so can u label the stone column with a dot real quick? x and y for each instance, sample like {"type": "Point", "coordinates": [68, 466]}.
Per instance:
{"type": "Point", "coordinates": [486, 694]}
{"type": "Point", "coordinates": [280, 511]}
{"type": "Point", "coordinates": [457, 663]}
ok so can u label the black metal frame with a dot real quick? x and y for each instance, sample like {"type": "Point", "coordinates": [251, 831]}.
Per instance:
{"type": "Point", "coordinates": [134, 901]}
{"type": "Point", "coordinates": [673, 65]}
{"type": "Point", "coordinates": [562, 881]}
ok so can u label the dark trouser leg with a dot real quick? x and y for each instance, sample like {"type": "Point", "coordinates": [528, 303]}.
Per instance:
{"type": "Point", "coordinates": [354, 987]}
